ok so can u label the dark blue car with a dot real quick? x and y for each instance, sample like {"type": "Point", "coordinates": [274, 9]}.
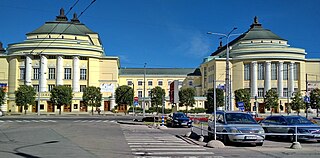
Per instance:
{"type": "Point", "coordinates": [179, 119]}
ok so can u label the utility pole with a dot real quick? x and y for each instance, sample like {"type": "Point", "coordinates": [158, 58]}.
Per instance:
{"type": "Point", "coordinates": [144, 90]}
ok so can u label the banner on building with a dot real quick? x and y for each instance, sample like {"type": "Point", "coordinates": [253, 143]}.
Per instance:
{"type": "Point", "coordinates": [107, 87]}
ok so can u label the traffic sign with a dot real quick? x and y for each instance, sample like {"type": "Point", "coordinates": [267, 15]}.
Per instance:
{"type": "Point", "coordinates": [135, 101]}
{"type": "Point", "coordinates": [241, 106]}
{"type": "Point", "coordinates": [306, 99]}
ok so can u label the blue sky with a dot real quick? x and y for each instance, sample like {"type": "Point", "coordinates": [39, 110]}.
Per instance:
{"type": "Point", "coordinates": [168, 33]}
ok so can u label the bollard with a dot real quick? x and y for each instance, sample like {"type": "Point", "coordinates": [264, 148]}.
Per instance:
{"type": "Point", "coordinates": [296, 131]}
{"type": "Point", "coordinates": [191, 128]}
{"type": "Point", "coordinates": [162, 124]}
{"type": "Point", "coordinates": [201, 128]}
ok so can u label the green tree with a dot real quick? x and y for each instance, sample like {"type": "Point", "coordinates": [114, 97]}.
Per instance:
{"type": "Point", "coordinates": [157, 94]}
{"type": "Point", "coordinates": [271, 99]}
{"type": "Point", "coordinates": [25, 96]}
{"type": "Point", "coordinates": [243, 95]}
{"type": "Point", "coordinates": [315, 99]}
{"type": "Point", "coordinates": [92, 97]}
{"type": "Point", "coordinates": [61, 95]}
{"type": "Point", "coordinates": [124, 95]}
{"type": "Point", "coordinates": [297, 102]}
{"type": "Point", "coordinates": [186, 97]}
{"type": "Point", "coordinates": [2, 96]}
{"type": "Point", "coordinates": [210, 99]}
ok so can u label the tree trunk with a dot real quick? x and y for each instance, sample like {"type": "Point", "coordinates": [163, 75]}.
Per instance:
{"type": "Point", "coordinates": [271, 110]}
{"type": "Point", "coordinates": [59, 109]}
{"type": "Point", "coordinates": [92, 110]}
{"type": "Point", "coordinates": [187, 108]}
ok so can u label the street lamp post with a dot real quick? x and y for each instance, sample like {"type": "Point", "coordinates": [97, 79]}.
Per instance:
{"type": "Point", "coordinates": [227, 80]}
{"type": "Point", "coordinates": [144, 90]}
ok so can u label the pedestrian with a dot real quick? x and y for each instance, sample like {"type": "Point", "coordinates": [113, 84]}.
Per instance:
{"type": "Point", "coordinates": [98, 111]}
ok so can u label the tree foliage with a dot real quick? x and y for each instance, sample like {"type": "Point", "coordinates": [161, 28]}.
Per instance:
{"type": "Point", "coordinates": [271, 99]}
{"type": "Point", "coordinates": [186, 97]}
{"type": "Point", "coordinates": [61, 95]}
{"type": "Point", "coordinates": [315, 99]}
{"type": "Point", "coordinates": [297, 102]}
{"type": "Point", "coordinates": [92, 97]}
{"type": "Point", "coordinates": [210, 99]}
{"type": "Point", "coordinates": [124, 95]}
{"type": "Point", "coordinates": [157, 94]}
{"type": "Point", "coordinates": [2, 96]}
{"type": "Point", "coordinates": [243, 95]}
{"type": "Point", "coordinates": [25, 96]}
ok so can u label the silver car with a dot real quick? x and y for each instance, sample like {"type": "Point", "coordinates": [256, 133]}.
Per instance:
{"type": "Point", "coordinates": [239, 127]}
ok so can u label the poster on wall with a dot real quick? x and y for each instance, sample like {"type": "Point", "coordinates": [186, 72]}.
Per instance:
{"type": "Point", "coordinates": [4, 86]}
{"type": "Point", "coordinates": [107, 87]}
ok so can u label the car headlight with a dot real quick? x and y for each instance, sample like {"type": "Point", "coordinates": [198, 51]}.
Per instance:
{"type": "Point", "coordinates": [190, 120]}
{"type": "Point", "coordinates": [234, 130]}
{"type": "Point", "coordinates": [261, 131]}
{"type": "Point", "coordinates": [175, 120]}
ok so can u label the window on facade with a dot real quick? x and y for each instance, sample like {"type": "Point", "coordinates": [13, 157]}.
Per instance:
{"type": "Point", "coordinates": [52, 73]}
{"type": "Point", "coordinates": [285, 92]}
{"type": "Point", "coordinates": [295, 71]}
{"type": "Point", "coordinates": [190, 83]}
{"type": "Point", "coordinates": [129, 83]}
{"type": "Point", "coordinates": [285, 71]}
{"type": "Point", "coordinates": [139, 83]}
{"type": "Point", "coordinates": [67, 85]}
{"type": "Point", "coordinates": [247, 71]}
{"type": "Point", "coordinates": [274, 71]}
{"type": "Point", "coordinates": [260, 71]}
{"type": "Point", "coordinates": [140, 94]}
{"type": "Point", "coordinates": [36, 57]}
{"type": "Point", "coordinates": [52, 57]}
{"type": "Point", "coordinates": [36, 73]}
{"type": "Point", "coordinates": [149, 83]}
{"type": "Point", "coordinates": [67, 57]}
{"type": "Point", "coordinates": [169, 82]}
{"type": "Point", "coordinates": [83, 58]}
{"type": "Point", "coordinates": [22, 73]}
{"type": "Point", "coordinates": [160, 83]}
{"type": "Point", "coordinates": [180, 83]}
{"type": "Point", "coordinates": [260, 92]}
{"type": "Point", "coordinates": [67, 73]}
{"type": "Point", "coordinates": [83, 74]}
{"type": "Point", "coordinates": [82, 87]}
{"type": "Point", "coordinates": [50, 87]}
{"type": "Point", "coordinates": [36, 87]}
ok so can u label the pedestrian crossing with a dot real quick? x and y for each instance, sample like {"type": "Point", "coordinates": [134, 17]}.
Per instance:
{"type": "Point", "coordinates": [147, 142]}
{"type": "Point", "coordinates": [54, 121]}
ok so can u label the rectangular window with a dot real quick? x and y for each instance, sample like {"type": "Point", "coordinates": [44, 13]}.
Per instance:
{"type": "Point", "coordinates": [274, 71]}
{"type": "Point", "coordinates": [36, 73]}
{"type": "Point", "coordinates": [67, 85]}
{"type": "Point", "coordinates": [52, 73]}
{"type": "Point", "coordinates": [129, 83]}
{"type": "Point", "coordinates": [260, 71]}
{"type": "Point", "coordinates": [52, 57]}
{"type": "Point", "coordinates": [36, 87]}
{"type": "Point", "coordinates": [140, 94]}
{"type": "Point", "coordinates": [285, 71]}
{"type": "Point", "coordinates": [140, 83]}
{"type": "Point", "coordinates": [160, 83]}
{"type": "Point", "coordinates": [285, 92]}
{"type": "Point", "coordinates": [83, 58]}
{"type": "Point", "coordinates": [260, 92]}
{"type": "Point", "coordinates": [149, 83]}
{"type": "Point", "coordinates": [247, 71]}
{"type": "Point", "coordinates": [50, 87]}
{"type": "Point", "coordinates": [67, 73]}
{"type": "Point", "coordinates": [190, 83]}
{"type": "Point", "coordinates": [295, 71]}
{"type": "Point", "coordinates": [82, 87]}
{"type": "Point", "coordinates": [83, 74]}
{"type": "Point", "coordinates": [22, 73]}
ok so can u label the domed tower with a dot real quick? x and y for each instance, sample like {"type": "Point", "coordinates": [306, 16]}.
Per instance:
{"type": "Point", "coordinates": [61, 52]}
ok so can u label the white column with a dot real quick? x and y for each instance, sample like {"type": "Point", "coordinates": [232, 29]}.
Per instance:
{"type": "Point", "coordinates": [43, 73]}
{"type": "Point", "coordinates": [76, 74]}
{"type": "Point", "coordinates": [112, 101]}
{"type": "Point", "coordinates": [254, 79]}
{"type": "Point", "coordinates": [59, 80]}
{"type": "Point", "coordinates": [291, 78]}
{"type": "Point", "coordinates": [280, 79]}
{"type": "Point", "coordinates": [28, 66]}
{"type": "Point", "coordinates": [267, 79]}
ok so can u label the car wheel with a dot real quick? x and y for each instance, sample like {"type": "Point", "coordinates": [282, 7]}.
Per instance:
{"type": "Point", "coordinates": [266, 131]}
{"type": "Point", "coordinates": [259, 144]}
{"type": "Point", "coordinates": [226, 139]}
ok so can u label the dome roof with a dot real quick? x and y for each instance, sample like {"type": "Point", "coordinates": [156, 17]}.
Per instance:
{"type": "Point", "coordinates": [62, 26]}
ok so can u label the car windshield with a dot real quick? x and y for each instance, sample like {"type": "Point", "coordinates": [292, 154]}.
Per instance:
{"type": "Point", "coordinates": [180, 115]}
{"type": "Point", "coordinates": [239, 118]}
{"type": "Point", "coordinates": [298, 120]}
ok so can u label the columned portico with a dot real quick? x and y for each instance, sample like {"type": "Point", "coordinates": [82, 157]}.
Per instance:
{"type": "Point", "coordinates": [291, 79]}
{"type": "Point", "coordinates": [43, 73]}
{"type": "Point", "coordinates": [28, 65]}
{"type": "Point", "coordinates": [76, 74]}
{"type": "Point", "coordinates": [280, 79]}
{"type": "Point", "coordinates": [267, 81]}
{"type": "Point", "coordinates": [254, 79]}
{"type": "Point", "coordinates": [59, 80]}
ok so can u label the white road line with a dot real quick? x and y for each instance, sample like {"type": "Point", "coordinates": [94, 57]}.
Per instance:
{"type": "Point", "coordinates": [98, 120]}
{"type": "Point", "coordinates": [52, 121]}
{"type": "Point", "coordinates": [165, 146]}
{"type": "Point", "coordinates": [84, 121]}
{"type": "Point", "coordinates": [167, 149]}
{"type": "Point", "coordinates": [172, 153]}
{"type": "Point", "coordinates": [18, 121]}
{"type": "Point", "coordinates": [113, 121]}
{"type": "Point", "coordinates": [9, 121]}
{"type": "Point", "coordinates": [153, 143]}
{"type": "Point", "coordinates": [91, 121]}
{"type": "Point", "coordinates": [34, 120]}
{"type": "Point", "coordinates": [1, 121]}
{"type": "Point", "coordinates": [26, 121]}
{"type": "Point", "coordinates": [105, 121]}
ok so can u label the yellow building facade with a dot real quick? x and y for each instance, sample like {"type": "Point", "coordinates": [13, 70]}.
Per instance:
{"type": "Point", "coordinates": [60, 52]}
{"type": "Point", "coordinates": [261, 60]}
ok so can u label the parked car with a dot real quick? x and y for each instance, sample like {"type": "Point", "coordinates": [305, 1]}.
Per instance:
{"type": "Point", "coordinates": [286, 123]}
{"type": "Point", "coordinates": [179, 119]}
{"type": "Point", "coordinates": [244, 127]}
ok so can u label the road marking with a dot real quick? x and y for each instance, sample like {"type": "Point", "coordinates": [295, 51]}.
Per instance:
{"type": "Point", "coordinates": [105, 121]}
{"type": "Point", "coordinates": [18, 121]}
{"type": "Point", "coordinates": [168, 149]}
{"type": "Point", "coordinates": [34, 120]}
{"type": "Point", "coordinates": [26, 121]}
{"type": "Point", "coordinates": [98, 120]}
{"type": "Point", "coordinates": [1, 121]}
{"type": "Point", "coordinates": [172, 153]}
{"type": "Point", "coordinates": [163, 146]}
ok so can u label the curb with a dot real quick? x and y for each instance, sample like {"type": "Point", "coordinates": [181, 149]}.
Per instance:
{"type": "Point", "coordinates": [131, 123]}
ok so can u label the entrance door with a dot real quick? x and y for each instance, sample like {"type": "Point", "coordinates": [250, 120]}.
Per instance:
{"type": "Point", "coordinates": [83, 108]}
{"type": "Point", "coordinates": [34, 107]}
{"type": "Point", "coordinates": [262, 107]}
{"type": "Point", "coordinates": [106, 105]}
{"type": "Point", "coordinates": [67, 108]}
{"type": "Point", "coordinates": [50, 107]}
{"type": "Point", "coordinates": [122, 108]}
